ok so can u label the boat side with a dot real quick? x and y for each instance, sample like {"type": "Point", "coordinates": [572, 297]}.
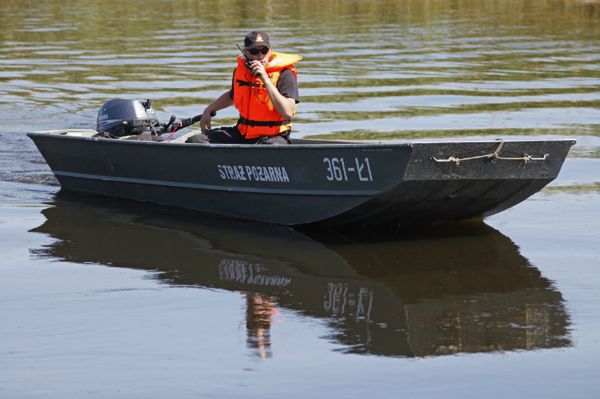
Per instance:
{"type": "Point", "coordinates": [294, 184]}
{"type": "Point", "coordinates": [462, 180]}
{"type": "Point", "coordinates": [334, 184]}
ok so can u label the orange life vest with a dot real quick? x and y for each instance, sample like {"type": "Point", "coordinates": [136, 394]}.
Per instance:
{"type": "Point", "coordinates": [258, 116]}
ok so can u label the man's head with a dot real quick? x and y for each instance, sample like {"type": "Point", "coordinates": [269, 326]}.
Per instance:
{"type": "Point", "coordinates": [257, 46]}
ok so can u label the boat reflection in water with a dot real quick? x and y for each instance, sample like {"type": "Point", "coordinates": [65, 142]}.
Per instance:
{"type": "Point", "coordinates": [439, 290]}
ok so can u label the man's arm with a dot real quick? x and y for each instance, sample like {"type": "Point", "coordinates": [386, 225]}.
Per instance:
{"type": "Point", "coordinates": [286, 107]}
{"type": "Point", "coordinates": [223, 101]}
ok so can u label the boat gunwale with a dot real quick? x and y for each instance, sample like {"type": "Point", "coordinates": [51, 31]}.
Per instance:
{"type": "Point", "coordinates": [295, 146]}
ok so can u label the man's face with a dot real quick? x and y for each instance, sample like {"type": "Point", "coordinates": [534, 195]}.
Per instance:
{"type": "Point", "coordinates": [261, 54]}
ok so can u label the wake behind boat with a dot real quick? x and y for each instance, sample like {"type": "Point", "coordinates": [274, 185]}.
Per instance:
{"type": "Point", "coordinates": [309, 181]}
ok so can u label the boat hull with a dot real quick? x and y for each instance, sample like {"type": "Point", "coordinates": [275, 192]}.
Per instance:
{"type": "Point", "coordinates": [331, 183]}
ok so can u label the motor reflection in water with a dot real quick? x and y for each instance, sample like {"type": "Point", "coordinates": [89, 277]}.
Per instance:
{"type": "Point", "coordinates": [429, 291]}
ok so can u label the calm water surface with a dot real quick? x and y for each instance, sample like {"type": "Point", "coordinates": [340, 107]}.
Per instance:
{"type": "Point", "coordinates": [112, 299]}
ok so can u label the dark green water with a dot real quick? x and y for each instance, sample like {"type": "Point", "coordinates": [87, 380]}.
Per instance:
{"type": "Point", "coordinates": [110, 300]}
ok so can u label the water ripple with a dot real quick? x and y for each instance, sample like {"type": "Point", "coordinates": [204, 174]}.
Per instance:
{"type": "Point", "coordinates": [378, 69]}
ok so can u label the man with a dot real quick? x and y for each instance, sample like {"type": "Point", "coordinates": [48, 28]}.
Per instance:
{"type": "Point", "coordinates": [264, 90]}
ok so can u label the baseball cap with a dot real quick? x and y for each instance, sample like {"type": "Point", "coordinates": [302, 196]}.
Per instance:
{"type": "Point", "coordinates": [256, 39]}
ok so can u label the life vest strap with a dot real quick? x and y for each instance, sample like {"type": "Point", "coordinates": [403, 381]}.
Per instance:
{"type": "Point", "coordinates": [249, 122]}
{"type": "Point", "coordinates": [245, 83]}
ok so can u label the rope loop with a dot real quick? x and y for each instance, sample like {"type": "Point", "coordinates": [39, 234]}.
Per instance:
{"type": "Point", "coordinates": [493, 156]}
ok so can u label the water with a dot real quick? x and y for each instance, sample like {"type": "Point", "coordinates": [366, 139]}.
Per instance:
{"type": "Point", "coordinates": [117, 299]}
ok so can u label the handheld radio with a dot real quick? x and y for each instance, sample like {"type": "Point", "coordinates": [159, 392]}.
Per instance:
{"type": "Point", "coordinates": [248, 62]}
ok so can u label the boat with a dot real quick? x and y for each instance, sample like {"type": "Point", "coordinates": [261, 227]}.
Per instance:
{"type": "Point", "coordinates": [309, 181]}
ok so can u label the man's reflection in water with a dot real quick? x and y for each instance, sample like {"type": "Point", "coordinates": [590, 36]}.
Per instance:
{"type": "Point", "coordinates": [260, 310]}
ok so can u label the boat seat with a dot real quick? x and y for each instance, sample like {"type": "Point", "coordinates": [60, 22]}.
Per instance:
{"type": "Point", "coordinates": [71, 132]}
{"type": "Point", "coordinates": [80, 132]}
{"type": "Point", "coordinates": [180, 139]}
{"type": "Point", "coordinates": [183, 137]}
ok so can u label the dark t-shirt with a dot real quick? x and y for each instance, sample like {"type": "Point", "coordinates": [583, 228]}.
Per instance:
{"type": "Point", "coordinates": [287, 85]}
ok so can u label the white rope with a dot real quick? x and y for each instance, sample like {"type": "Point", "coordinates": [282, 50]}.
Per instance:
{"type": "Point", "coordinates": [494, 155]}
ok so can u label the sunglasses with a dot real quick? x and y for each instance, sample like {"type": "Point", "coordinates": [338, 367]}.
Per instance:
{"type": "Point", "coordinates": [257, 51]}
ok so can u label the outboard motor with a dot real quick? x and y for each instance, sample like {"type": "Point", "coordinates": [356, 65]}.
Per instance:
{"type": "Point", "coordinates": [119, 117]}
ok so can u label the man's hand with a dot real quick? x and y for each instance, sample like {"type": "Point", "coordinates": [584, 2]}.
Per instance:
{"type": "Point", "coordinates": [258, 70]}
{"type": "Point", "coordinates": [205, 122]}
{"type": "Point", "coordinates": [223, 101]}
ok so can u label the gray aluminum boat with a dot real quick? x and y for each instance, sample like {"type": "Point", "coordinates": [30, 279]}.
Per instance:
{"type": "Point", "coordinates": [309, 181]}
